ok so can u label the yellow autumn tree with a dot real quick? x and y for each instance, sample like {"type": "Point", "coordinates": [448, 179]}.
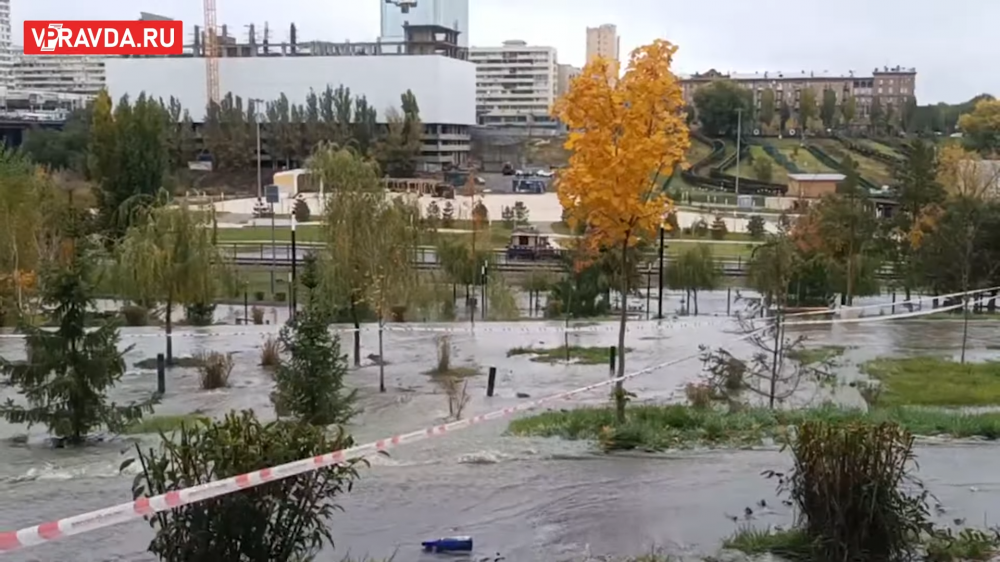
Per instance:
{"type": "Point", "coordinates": [965, 174]}
{"type": "Point", "coordinates": [981, 127]}
{"type": "Point", "coordinates": [626, 137]}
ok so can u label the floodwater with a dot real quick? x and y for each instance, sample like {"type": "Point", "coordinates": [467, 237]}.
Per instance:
{"type": "Point", "coordinates": [529, 499]}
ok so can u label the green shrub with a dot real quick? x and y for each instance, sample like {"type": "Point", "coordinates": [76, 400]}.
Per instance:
{"type": "Point", "coordinates": [135, 315]}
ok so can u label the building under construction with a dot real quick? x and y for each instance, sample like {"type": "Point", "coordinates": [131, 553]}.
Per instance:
{"type": "Point", "coordinates": [428, 62]}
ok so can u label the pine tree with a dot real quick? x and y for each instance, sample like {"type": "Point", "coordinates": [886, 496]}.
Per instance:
{"type": "Point", "coordinates": [310, 383]}
{"type": "Point", "coordinates": [448, 215]}
{"type": "Point", "coordinates": [69, 371]}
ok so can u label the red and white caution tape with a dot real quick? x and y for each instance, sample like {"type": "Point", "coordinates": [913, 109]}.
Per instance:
{"type": "Point", "coordinates": [142, 507]}
{"type": "Point", "coordinates": [122, 513]}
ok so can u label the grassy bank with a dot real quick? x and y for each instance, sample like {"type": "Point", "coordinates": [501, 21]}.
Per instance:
{"type": "Point", "coordinates": [935, 381]}
{"type": "Point", "coordinates": [794, 545]}
{"type": "Point", "coordinates": [593, 355]}
{"type": "Point", "coordinates": [678, 426]}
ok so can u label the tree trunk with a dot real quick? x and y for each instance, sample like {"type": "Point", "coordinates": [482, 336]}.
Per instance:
{"type": "Point", "coordinates": [694, 295]}
{"type": "Point", "coordinates": [775, 358]}
{"type": "Point", "coordinates": [169, 326]}
{"type": "Point", "coordinates": [620, 385]}
{"type": "Point", "coordinates": [381, 360]}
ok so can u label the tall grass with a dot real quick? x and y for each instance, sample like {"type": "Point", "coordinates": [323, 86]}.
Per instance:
{"type": "Point", "coordinates": [678, 426]}
{"type": "Point", "coordinates": [849, 485]}
{"type": "Point", "coordinates": [214, 368]}
{"type": "Point", "coordinates": [270, 353]}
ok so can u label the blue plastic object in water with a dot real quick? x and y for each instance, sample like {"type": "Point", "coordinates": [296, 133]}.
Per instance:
{"type": "Point", "coordinates": [449, 544]}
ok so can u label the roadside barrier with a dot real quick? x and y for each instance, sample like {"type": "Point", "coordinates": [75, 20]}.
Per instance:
{"type": "Point", "coordinates": [914, 300]}
{"type": "Point", "coordinates": [122, 513]}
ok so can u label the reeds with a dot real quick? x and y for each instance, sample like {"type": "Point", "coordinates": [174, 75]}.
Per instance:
{"type": "Point", "coordinates": [849, 484]}
{"type": "Point", "coordinates": [214, 368]}
{"type": "Point", "coordinates": [270, 353]}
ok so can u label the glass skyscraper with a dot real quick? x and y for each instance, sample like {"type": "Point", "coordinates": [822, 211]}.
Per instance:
{"type": "Point", "coordinates": [453, 14]}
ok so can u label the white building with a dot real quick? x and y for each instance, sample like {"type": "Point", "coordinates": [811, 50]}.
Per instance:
{"type": "Point", "coordinates": [444, 87]}
{"type": "Point", "coordinates": [6, 46]}
{"type": "Point", "coordinates": [453, 14]}
{"type": "Point", "coordinates": [64, 73]}
{"type": "Point", "coordinates": [516, 84]}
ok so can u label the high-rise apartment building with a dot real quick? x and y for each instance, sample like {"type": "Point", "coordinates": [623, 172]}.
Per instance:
{"type": "Point", "coordinates": [516, 85]}
{"type": "Point", "coordinates": [65, 74]}
{"type": "Point", "coordinates": [453, 14]}
{"type": "Point", "coordinates": [6, 45]}
{"type": "Point", "coordinates": [567, 72]}
{"type": "Point", "coordinates": [603, 41]}
{"type": "Point", "coordinates": [890, 85]}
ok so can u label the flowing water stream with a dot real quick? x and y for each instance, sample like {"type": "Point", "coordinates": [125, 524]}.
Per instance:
{"type": "Point", "coordinates": [529, 499]}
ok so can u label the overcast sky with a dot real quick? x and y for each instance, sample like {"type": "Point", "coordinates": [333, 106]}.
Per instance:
{"type": "Point", "coordinates": [953, 44]}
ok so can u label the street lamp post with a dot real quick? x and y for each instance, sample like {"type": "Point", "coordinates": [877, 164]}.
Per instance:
{"type": "Point", "coordinates": [294, 288]}
{"type": "Point", "coordinates": [739, 136]}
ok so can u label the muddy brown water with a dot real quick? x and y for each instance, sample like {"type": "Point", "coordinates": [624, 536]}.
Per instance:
{"type": "Point", "coordinates": [529, 499]}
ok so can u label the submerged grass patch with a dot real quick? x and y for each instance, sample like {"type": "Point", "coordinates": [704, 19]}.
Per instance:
{"type": "Point", "coordinates": [935, 381]}
{"type": "Point", "coordinates": [589, 355]}
{"type": "Point", "coordinates": [789, 544]}
{"type": "Point", "coordinates": [185, 362]}
{"type": "Point", "coordinates": [162, 424]}
{"type": "Point", "coordinates": [678, 426]}
{"type": "Point", "coordinates": [813, 355]}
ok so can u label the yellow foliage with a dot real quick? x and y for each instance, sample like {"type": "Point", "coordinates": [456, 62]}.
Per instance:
{"type": "Point", "coordinates": [965, 173]}
{"type": "Point", "coordinates": [23, 279]}
{"type": "Point", "coordinates": [983, 121]}
{"type": "Point", "coordinates": [925, 223]}
{"type": "Point", "coordinates": [626, 136]}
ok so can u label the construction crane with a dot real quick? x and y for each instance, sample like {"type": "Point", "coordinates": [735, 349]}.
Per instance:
{"type": "Point", "coordinates": [403, 5]}
{"type": "Point", "coordinates": [211, 54]}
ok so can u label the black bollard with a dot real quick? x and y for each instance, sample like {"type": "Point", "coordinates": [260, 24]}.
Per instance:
{"type": "Point", "coordinates": [161, 374]}
{"type": "Point", "coordinates": [612, 351]}
{"type": "Point", "coordinates": [491, 381]}
{"type": "Point", "coordinates": [729, 299]}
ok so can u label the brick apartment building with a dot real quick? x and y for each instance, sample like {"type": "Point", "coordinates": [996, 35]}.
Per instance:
{"type": "Point", "coordinates": [890, 85]}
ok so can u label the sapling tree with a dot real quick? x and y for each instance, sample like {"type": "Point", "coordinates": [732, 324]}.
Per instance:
{"type": "Point", "coordinates": [169, 256]}
{"type": "Point", "coordinates": [367, 257]}
{"type": "Point", "coordinates": [626, 135]}
{"type": "Point", "coordinates": [770, 372]}
{"type": "Point", "coordinates": [310, 381]}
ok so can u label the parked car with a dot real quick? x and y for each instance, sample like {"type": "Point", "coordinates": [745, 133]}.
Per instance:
{"type": "Point", "coordinates": [544, 173]}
